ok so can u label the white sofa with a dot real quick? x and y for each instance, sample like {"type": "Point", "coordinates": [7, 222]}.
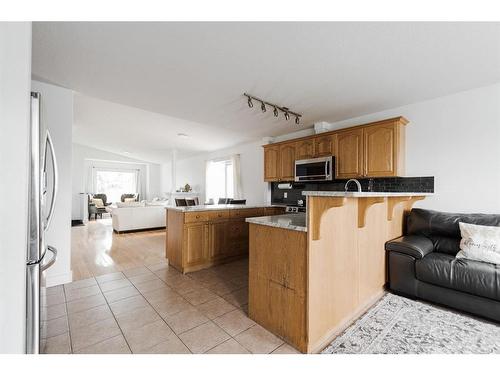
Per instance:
{"type": "Point", "coordinates": [138, 217]}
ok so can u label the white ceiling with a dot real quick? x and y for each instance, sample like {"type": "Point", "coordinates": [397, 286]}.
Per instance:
{"type": "Point", "coordinates": [189, 77]}
{"type": "Point", "coordinates": [141, 134]}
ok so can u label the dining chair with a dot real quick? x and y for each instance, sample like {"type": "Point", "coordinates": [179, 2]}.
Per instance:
{"type": "Point", "coordinates": [180, 202]}
{"type": "Point", "coordinates": [237, 201]}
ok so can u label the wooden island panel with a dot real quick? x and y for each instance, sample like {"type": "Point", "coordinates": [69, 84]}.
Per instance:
{"type": "Point", "coordinates": [307, 287]}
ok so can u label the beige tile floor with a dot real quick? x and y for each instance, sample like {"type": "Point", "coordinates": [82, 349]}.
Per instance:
{"type": "Point", "coordinates": [156, 309]}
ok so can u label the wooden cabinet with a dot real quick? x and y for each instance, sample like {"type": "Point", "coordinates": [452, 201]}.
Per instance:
{"type": "Point", "coordinates": [195, 243]}
{"type": "Point", "coordinates": [218, 238]}
{"type": "Point", "coordinates": [323, 146]}
{"type": "Point", "coordinates": [272, 163]}
{"type": "Point", "coordinates": [369, 150]}
{"type": "Point", "coordinates": [349, 154]}
{"type": "Point", "coordinates": [278, 282]}
{"type": "Point", "coordinates": [238, 237]}
{"type": "Point", "coordinates": [287, 162]}
{"type": "Point", "coordinates": [382, 152]}
{"type": "Point", "coordinates": [200, 239]}
{"type": "Point", "coordinates": [304, 149]}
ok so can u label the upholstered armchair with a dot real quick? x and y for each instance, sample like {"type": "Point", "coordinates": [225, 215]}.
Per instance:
{"type": "Point", "coordinates": [124, 196]}
{"type": "Point", "coordinates": [97, 210]}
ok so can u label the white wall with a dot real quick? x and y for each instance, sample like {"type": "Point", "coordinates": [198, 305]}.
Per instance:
{"type": "Point", "coordinates": [84, 156]}
{"type": "Point", "coordinates": [456, 139]}
{"type": "Point", "coordinates": [57, 115]}
{"type": "Point", "coordinates": [192, 171]}
{"type": "Point", "coordinates": [15, 77]}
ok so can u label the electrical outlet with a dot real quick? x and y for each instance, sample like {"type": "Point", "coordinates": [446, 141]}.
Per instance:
{"type": "Point", "coordinates": [285, 195]}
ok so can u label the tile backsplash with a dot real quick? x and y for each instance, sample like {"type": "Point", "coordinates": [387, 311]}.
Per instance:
{"type": "Point", "coordinates": [382, 184]}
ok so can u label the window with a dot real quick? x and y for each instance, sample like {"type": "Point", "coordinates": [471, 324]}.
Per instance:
{"type": "Point", "coordinates": [219, 179]}
{"type": "Point", "coordinates": [114, 183]}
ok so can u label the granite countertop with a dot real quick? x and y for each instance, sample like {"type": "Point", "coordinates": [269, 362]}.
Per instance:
{"type": "Point", "coordinates": [355, 194]}
{"type": "Point", "coordinates": [215, 207]}
{"type": "Point", "coordinates": [287, 221]}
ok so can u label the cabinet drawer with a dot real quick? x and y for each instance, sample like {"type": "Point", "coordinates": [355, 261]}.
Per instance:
{"type": "Point", "coordinates": [247, 212]}
{"type": "Point", "coordinates": [196, 217]}
{"type": "Point", "coordinates": [218, 215]}
{"type": "Point", "coordinates": [268, 211]}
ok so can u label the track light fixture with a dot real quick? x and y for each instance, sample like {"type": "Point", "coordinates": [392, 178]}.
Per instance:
{"type": "Point", "coordinates": [287, 115]}
{"type": "Point", "coordinates": [276, 108]}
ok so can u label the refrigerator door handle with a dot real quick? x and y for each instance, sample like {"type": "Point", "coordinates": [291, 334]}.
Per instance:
{"type": "Point", "coordinates": [55, 178]}
{"type": "Point", "coordinates": [49, 264]}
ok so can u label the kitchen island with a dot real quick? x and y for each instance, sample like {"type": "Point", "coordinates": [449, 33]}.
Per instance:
{"type": "Point", "coordinates": [308, 283]}
{"type": "Point", "coordinates": [205, 235]}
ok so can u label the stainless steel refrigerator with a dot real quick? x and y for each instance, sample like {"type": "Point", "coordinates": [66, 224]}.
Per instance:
{"type": "Point", "coordinates": [42, 199]}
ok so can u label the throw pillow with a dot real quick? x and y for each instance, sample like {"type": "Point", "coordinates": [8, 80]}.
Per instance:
{"type": "Point", "coordinates": [480, 242]}
{"type": "Point", "coordinates": [129, 200]}
{"type": "Point", "coordinates": [98, 202]}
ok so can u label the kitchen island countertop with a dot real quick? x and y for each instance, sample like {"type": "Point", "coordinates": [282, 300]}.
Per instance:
{"type": "Point", "coordinates": [287, 221]}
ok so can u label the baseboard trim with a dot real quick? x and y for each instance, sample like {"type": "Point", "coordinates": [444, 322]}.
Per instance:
{"type": "Point", "coordinates": [59, 279]}
{"type": "Point", "coordinates": [138, 230]}
{"type": "Point", "coordinates": [324, 341]}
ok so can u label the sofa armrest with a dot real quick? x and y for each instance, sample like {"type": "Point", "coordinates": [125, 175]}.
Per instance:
{"type": "Point", "coordinates": [415, 246]}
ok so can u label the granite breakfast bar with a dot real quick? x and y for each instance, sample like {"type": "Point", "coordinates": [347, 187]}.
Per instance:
{"type": "Point", "coordinates": [311, 276]}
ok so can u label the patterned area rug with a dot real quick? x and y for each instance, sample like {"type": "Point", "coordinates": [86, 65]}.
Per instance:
{"type": "Point", "coordinates": [397, 325]}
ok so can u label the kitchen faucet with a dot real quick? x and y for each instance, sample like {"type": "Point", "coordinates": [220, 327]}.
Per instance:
{"type": "Point", "coordinates": [356, 182]}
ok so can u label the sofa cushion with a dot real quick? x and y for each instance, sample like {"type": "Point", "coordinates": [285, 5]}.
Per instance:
{"type": "Point", "coordinates": [442, 227]}
{"type": "Point", "coordinates": [415, 246]}
{"type": "Point", "coordinates": [469, 276]}
{"type": "Point", "coordinates": [480, 242]}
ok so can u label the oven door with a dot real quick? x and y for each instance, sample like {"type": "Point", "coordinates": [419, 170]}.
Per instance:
{"type": "Point", "coordinates": [319, 169]}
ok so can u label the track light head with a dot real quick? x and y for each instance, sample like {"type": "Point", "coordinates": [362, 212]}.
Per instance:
{"type": "Point", "coordinates": [263, 107]}
{"type": "Point", "coordinates": [275, 111]}
{"type": "Point", "coordinates": [250, 104]}
{"type": "Point", "coordinates": [287, 115]}
{"type": "Point", "coordinates": [297, 120]}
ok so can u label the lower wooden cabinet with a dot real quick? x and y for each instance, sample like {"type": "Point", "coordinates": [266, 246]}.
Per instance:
{"type": "Point", "coordinates": [195, 243]}
{"type": "Point", "coordinates": [197, 240]}
{"type": "Point", "coordinates": [278, 282]}
{"type": "Point", "coordinates": [218, 240]}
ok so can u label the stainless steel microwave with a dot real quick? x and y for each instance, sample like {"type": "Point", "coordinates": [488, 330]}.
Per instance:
{"type": "Point", "coordinates": [319, 169]}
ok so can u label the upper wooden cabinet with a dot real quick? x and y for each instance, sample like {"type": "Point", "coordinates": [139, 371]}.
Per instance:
{"type": "Point", "coordinates": [272, 163]}
{"type": "Point", "coordinates": [323, 145]}
{"type": "Point", "coordinates": [371, 151]}
{"type": "Point", "coordinates": [383, 154]}
{"type": "Point", "coordinates": [376, 149]}
{"type": "Point", "coordinates": [349, 157]}
{"type": "Point", "coordinates": [304, 149]}
{"type": "Point", "coordinates": [287, 162]}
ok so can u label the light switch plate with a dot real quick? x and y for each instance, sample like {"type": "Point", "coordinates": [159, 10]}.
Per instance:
{"type": "Point", "coordinates": [285, 195]}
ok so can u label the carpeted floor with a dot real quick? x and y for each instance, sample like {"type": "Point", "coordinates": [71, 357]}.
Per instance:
{"type": "Point", "coordinates": [397, 325]}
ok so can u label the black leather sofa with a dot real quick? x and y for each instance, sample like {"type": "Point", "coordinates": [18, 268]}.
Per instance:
{"type": "Point", "coordinates": [422, 264]}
